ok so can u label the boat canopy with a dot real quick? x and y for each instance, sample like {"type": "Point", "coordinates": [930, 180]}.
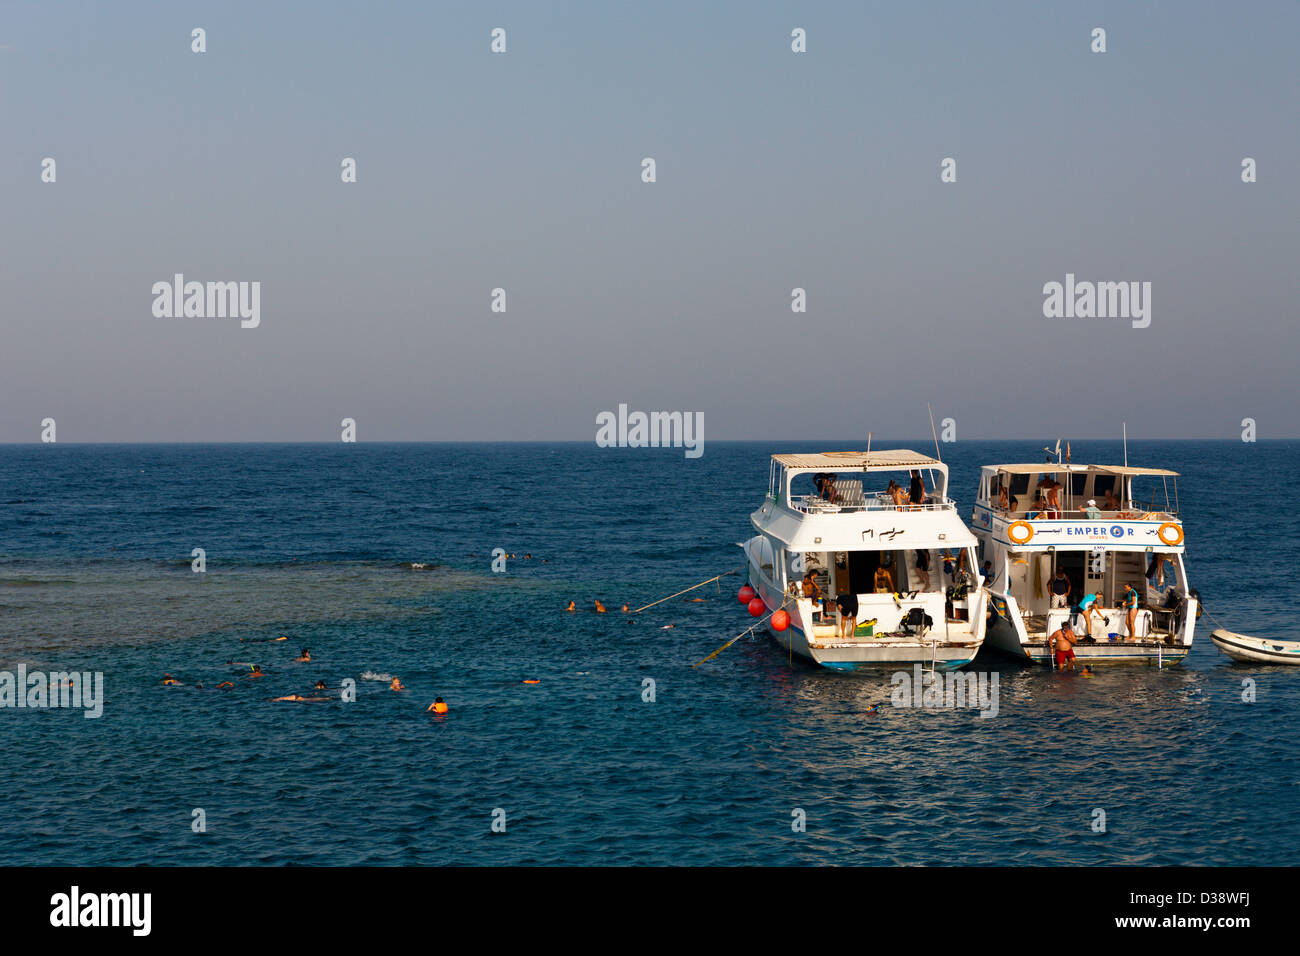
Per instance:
{"type": "Point", "coordinates": [851, 460]}
{"type": "Point", "coordinates": [1049, 468]}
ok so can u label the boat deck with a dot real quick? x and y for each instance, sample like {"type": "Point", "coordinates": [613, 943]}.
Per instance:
{"type": "Point", "coordinates": [1036, 627]}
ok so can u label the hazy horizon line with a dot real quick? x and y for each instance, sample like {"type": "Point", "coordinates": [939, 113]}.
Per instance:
{"type": "Point", "coordinates": [571, 441]}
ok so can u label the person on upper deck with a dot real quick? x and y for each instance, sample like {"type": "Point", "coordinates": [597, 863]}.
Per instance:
{"type": "Point", "coordinates": [896, 493]}
{"type": "Point", "coordinates": [825, 484]}
{"type": "Point", "coordinates": [1037, 507]}
{"type": "Point", "coordinates": [1111, 503]}
{"type": "Point", "coordinates": [1092, 511]}
{"type": "Point", "coordinates": [916, 491]}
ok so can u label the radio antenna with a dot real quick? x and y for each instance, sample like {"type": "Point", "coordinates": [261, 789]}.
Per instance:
{"type": "Point", "coordinates": [933, 432]}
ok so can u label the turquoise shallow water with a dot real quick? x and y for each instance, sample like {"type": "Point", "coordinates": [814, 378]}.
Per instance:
{"type": "Point", "coordinates": [316, 542]}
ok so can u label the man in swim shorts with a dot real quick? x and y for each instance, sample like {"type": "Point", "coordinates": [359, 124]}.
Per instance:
{"type": "Point", "coordinates": [1062, 645]}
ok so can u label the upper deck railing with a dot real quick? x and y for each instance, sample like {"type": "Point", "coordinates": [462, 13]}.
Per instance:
{"type": "Point", "coordinates": [877, 501]}
{"type": "Point", "coordinates": [1135, 513]}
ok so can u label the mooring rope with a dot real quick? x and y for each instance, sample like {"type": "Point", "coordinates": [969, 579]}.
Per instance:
{"type": "Point", "coordinates": [748, 630]}
{"type": "Point", "coordinates": [716, 577]}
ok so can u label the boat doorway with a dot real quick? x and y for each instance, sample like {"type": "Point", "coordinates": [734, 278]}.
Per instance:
{"type": "Point", "coordinates": [862, 567]}
{"type": "Point", "coordinates": [1075, 564]}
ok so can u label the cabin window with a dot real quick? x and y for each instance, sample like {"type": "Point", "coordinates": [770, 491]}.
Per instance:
{"type": "Point", "coordinates": [1020, 486]}
{"type": "Point", "coordinates": [1078, 484]}
{"type": "Point", "coordinates": [1102, 485]}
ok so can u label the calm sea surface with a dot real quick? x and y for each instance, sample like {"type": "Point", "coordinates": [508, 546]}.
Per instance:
{"type": "Point", "coordinates": [317, 542]}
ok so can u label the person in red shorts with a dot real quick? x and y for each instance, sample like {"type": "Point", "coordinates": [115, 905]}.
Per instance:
{"type": "Point", "coordinates": [1062, 644]}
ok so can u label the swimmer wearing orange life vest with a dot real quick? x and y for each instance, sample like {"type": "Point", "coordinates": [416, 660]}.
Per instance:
{"type": "Point", "coordinates": [168, 679]}
{"type": "Point", "coordinates": [304, 657]}
{"type": "Point", "coordinates": [572, 606]}
{"type": "Point", "coordinates": [600, 608]}
{"type": "Point", "coordinates": [437, 707]}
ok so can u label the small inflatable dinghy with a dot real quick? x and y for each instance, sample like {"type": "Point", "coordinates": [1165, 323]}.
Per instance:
{"type": "Point", "coordinates": [1256, 650]}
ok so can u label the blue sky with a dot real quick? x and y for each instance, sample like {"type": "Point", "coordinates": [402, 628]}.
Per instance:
{"type": "Point", "coordinates": [522, 171]}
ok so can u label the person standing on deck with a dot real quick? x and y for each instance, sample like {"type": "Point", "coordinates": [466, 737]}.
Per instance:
{"type": "Point", "coordinates": [1131, 609]}
{"type": "Point", "coordinates": [916, 491]}
{"type": "Point", "coordinates": [1060, 589]}
{"type": "Point", "coordinates": [848, 604]}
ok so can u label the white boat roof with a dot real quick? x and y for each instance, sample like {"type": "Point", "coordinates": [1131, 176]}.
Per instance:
{"type": "Point", "coordinates": [1048, 468]}
{"type": "Point", "coordinates": [858, 460]}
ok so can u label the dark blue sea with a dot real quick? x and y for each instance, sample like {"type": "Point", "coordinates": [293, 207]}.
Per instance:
{"type": "Point", "coordinates": [321, 543]}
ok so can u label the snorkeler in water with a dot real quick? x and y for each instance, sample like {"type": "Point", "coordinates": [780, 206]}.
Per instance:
{"type": "Point", "coordinates": [304, 657]}
{"type": "Point", "coordinates": [572, 606]}
{"type": "Point", "coordinates": [396, 684]}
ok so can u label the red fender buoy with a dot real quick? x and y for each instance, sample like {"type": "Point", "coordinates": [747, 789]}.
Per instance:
{"type": "Point", "coordinates": [746, 594]}
{"type": "Point", "coordinates": [757, 607]}
{"type": "Point", "coordinates": [780, 620]}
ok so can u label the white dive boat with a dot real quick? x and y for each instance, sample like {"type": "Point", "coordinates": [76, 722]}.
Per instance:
{"type": "Point", "coordinates": [1099, 550]}
{"type": "Point", "coordinates": [1256, 650]}
{"type": "Point", "coordinates": [859, 542]}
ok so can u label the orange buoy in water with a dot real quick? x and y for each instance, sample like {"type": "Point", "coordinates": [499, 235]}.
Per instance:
{"type": "Point", "coordinates": [530, 680]}
{"type": "Point", "coordinates": [780, 620]}
{"type": "Point", "coordinates": [757, 607]}
{"type": "Point", "coordinates": [746, 594]}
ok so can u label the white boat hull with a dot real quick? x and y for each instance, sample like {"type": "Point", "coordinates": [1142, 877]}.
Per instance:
{"type": "Point", "coordinates": [864, 653]}
{"type": "Point", "coordinates": [1256, 650]}
{"type": "Point", "coordinates": [1009, 638]}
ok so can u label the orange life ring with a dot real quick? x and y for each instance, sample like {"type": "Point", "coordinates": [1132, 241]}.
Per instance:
{"type": "Point", "coordinates": [1177, 536]}
{"type": "Point", "coordinates": [1026, 526]}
